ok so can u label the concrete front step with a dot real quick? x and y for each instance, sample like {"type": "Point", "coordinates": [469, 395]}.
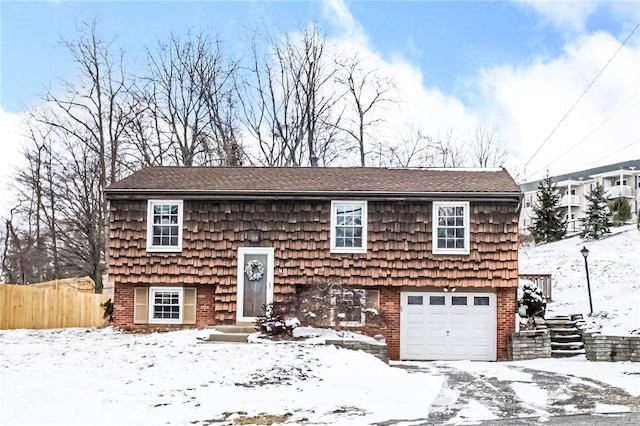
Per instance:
{"type": "Point", "coordinates": [560, 324]}
{"type": "Point", "coordinates": [229, 337]}
{"type": "Point", "coordinates": [237, 328]}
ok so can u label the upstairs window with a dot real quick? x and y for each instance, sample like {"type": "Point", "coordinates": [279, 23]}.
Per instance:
{"type": "Point", "coordinates": [348, 226]}
{"type": "Point", "coordinates": [451, 227]}
{"type": "Point", "coordinates": [164, 225]}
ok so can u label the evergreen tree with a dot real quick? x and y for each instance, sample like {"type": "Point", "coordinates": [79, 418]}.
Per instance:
{"type": "Point", "coordinates": [548, 223]}
{"type": "Point", "coordinates": [621, 211]}
{"type": "Point", "coordinates": [598, 219]}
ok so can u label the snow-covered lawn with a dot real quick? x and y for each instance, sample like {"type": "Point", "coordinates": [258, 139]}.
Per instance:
{"type": "Point", "coordinates": [103, 376]}
{"type": "Point", "coordinates": [78, 376]}
{"type": "Point", "coordinates": [614, 271]}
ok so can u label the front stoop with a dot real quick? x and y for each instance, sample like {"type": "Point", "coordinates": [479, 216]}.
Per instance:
{"type": "Point", "coordinates": [566, 340]}
{"type": "Point", "coordinates": [232, 333]}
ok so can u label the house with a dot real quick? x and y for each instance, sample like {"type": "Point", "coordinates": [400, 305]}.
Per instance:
{"type": "Point", "coordinates": [435, 250]}
{"type": "Point", "coordinates": [619, 180]}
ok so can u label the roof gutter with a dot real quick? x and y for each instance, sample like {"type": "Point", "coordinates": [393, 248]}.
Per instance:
{"type": "Point", "coordinates": [124, 194]}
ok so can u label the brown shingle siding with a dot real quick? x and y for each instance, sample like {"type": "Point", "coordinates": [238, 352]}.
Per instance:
{"type": "Point", "coordinates": [399, 247]}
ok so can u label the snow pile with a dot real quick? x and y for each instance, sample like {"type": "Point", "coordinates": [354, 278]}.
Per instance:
{"type": "Point", "coordinates": [614, 271]}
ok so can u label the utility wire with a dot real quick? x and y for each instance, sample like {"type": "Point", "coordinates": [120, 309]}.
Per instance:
{"type": "Point", "coordinates": [613, 153]}
{"type": "Point", "coordinates": [582, 95]}
{"type": "Point", "coordinates": [561, 156]}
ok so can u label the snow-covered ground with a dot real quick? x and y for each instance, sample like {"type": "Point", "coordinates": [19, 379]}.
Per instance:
{"type": "Point", "coordinates": [106, 377]}
{"type": "Point", "coordinates": [614, 271]}
{"type": "Point", "coordinates": [91, 376]}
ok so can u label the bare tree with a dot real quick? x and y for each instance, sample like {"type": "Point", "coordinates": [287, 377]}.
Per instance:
{"type": "Point", "coordinates": [366, 94]}
{"type": "Point", "coordinates": [91, 113]}
{"type": "Point", "coordinates": [485, 148]}
{"type": "Point", "coordinates": [188, 104]}
{"type": "Point", "coordinates": [287, 102]}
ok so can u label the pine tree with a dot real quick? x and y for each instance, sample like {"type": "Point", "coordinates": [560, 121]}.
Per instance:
{"type": "Point", "coordinates": [548, 223]}
{"type": "Point", "coordinates": [598, 219]}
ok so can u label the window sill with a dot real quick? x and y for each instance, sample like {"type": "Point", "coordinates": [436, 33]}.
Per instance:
{"type": "Point", "coordinates": [164, 249]}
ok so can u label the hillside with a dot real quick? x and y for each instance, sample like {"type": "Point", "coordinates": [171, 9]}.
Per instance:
{"type": "Point", "coordinates": [614, 270]}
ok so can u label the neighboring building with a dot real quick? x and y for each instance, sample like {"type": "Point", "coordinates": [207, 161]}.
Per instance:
{"type": "Point", "coordinates": [619, 180]}
{"type": "Point", "coordinates": [225, 241]}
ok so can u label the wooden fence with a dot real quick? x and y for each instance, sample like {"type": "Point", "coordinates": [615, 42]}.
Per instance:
{"type": "Point", "coordinates": [26, 306]}
{"type": "Point", "coordinates": [542, 281]}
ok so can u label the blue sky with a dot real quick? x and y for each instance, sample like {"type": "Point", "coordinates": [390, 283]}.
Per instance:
{"type": "Point", "coordinates": [517, 66]}
{"type": "Point", "coordinates": [448, 41]}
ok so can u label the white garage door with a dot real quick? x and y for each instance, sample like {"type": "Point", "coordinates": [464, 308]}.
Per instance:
{"type": "Point", "coordinates": [448, 326]}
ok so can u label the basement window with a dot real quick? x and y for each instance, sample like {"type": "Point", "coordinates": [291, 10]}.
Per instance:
{"type": "Point", "coordinates": [349, 307]}
{"type": "Point", "coordinates": [165, 305]}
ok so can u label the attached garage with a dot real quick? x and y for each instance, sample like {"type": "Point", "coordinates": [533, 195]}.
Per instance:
{"type": "Point", "coordinates": [448, 326]}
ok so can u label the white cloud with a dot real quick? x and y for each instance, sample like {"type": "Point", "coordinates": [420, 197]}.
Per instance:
{"type": "Point", "coordinates": [566, 14]}
{"type": "Point", "coordinates": [529, 101]}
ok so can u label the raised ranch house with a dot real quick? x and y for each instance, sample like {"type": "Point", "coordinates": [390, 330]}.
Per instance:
{"type": "Point", "coordinates": [435, 250]}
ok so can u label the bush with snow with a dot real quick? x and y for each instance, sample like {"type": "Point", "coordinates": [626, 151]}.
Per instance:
{"type": "Point", "coordinates": [531, 300]}
{"type": "Point", "coordinates": [273, 324]}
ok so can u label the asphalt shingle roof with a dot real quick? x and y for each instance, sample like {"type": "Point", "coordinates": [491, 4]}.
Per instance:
{"type": "Point", "coordinates": [314, 180]}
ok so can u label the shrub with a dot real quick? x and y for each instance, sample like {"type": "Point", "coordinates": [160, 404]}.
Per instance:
{"type": "Point", "coordinates": [621, 211]}
{"type": "Point", "coordinates": [108, 310]}
{"type": "Point", "coordinates": [273, 324]}
{"type": "Point", "coordinates": [530, 296]}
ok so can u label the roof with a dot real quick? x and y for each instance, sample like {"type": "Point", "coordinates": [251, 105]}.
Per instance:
{"type": "Point", "coordinates": [583, 174]}
{"type": "Point", "coordinates": [305, 182]}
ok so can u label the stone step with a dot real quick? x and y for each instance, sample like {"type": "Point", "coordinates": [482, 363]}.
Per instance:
{"type": "Point", "coordinates": [560, 317]}
{"type": "Point", "coordinates": [567, 345]}
{"type": "Point", "coordinates": [565, 337]}
{"type": "Point", "coordinates": [565, 353]}
{"type": "Point", "coordinates": [565, 323]}
{"type": "Point", "coordinates": [229, 337]}
{"type": "Point", "coordinates": [238, 328]}
{"type": "Point", "coordinates": [562, 331]}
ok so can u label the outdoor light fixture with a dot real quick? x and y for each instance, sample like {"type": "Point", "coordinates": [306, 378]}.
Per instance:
{"type": "Point", "coordinates": [254, 236]}
{"type": "Point", "coordinates": [447, 288]}
{"type": "Point", "coordinates": [585, 254]}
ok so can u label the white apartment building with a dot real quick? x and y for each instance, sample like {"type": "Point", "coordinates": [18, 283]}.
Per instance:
{"type": "Point", "coordinates": [619, 180]}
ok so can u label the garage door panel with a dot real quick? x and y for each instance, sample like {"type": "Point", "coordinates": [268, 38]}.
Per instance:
{"type": "Point", "coordinates": [448, 326]}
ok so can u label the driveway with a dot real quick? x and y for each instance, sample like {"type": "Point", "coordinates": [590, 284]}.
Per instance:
{"type": "Point", "coordinates": [506, 392]}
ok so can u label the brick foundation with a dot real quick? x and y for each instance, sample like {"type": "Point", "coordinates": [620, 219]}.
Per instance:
{"type": "Point", "coordinates": [123, 309]}
{"type": "Point", "coordinates": [507, 299]}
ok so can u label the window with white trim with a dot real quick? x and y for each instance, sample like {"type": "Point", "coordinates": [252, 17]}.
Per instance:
{"type": "Point", "coordinates": [165, 305]}
{"type": "Point", "coordinates": [164, 225]}
{"type": "Point", "coordinates": [348, 226]}
{"type": "Point", "coordinates": [349, 306]}
{"type": "Point", "coordinates": [451, 227]}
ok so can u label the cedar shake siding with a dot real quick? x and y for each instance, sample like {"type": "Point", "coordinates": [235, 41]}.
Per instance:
{"type": "Point", "coordinates": [291, 210]}
{"type": "Point", "coordinates": [399, 247]}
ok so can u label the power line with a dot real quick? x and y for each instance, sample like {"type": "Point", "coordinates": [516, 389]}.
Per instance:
{"type": "Point", "coordinates": [613, 153]}
{"type": "Point", "coordinates": [561, 156]}
{"type": "Point", "coordinates": [582, 95]}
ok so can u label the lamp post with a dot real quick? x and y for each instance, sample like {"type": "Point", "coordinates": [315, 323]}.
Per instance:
{"type": "Point", "coordinates": [585, 253]}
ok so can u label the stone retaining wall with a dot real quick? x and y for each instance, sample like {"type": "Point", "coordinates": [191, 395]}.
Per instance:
{"type": "Point", "coordinates": [529, 345]}
{"type": "Point", "coordinates": [377, 349]}
{"type": "Point", "coordinates": [611, 348]}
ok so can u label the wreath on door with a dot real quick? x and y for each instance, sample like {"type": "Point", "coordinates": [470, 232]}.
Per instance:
{"type": "Point", "coordinates": [254, 270]}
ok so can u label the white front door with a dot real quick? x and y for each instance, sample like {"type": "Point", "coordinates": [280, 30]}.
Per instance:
{"type": "Point", "coordinates": [255, 282]}
{"type": "Point", "coordinates": [448, 326]}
